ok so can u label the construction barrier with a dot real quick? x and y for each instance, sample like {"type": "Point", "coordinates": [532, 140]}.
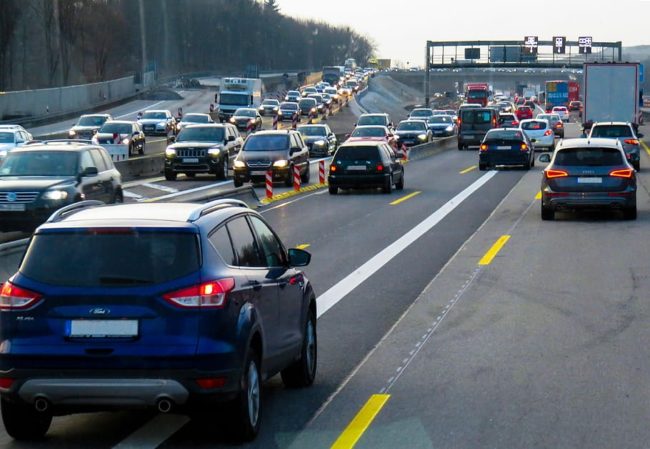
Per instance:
{"type": "Point", "coordinates": [275, 122]}
{"type": "Point", "coordinates": [118, 153]}
{"type": "Point", "coordinates": [296, 177]}
{"type": "Point", "coordinates": [321, 172]}
{"type": "Point", "coordinates": [269, 184]}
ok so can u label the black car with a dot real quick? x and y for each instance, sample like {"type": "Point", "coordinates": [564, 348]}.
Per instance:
{"type": "Point", "coordinates": [38, 179]}
{"type": "Point", "coordinates": [365, 164]}
{"type": "Point", "coordinates": [588, 174]}
{"type": "Point", "coordinates": [269, 107]}
{"type": "Point", "coordinates": [121, 132]}
{"type": "Point", "coordinates": [320, 139]}
{"type": "Point", "coordinates": [506, 146]}
{"type": "Point", "coordinates": [287, 110]}
{"type": "Point", "coordinates": [413, 132]}
{"type": "Point", "coordinates": [87, 126]}
{"type": "Point", "coordinates": [320, 102]}
{"type": "Point", "coordinates": [308, 106]}
{"type": "Point", "coordinates": [275, 151]}
{"type": "Point", "coordinates": [246, 118]}
{"type": "Point", "coordinates": [474, 124]}
{"type": "Point", "coordinates": [203, 149]}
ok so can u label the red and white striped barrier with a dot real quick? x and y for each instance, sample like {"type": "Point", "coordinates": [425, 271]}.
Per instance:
{"type": "Point", "coordinates": [269, 184]}
{"type": "Point", "coordinates": [249, 127]}
{"type": "Point", "coordinates": [275, 122]}
{"type": "Point", "coordinates": [321, 172]}
{"type": "Point", "coordinates": [294, 120]}
{"type": "Point", "coordinates": [296, 178]}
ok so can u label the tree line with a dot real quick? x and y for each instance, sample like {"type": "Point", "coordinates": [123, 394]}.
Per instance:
{"type": "Point", "coordinates": [48, 43]}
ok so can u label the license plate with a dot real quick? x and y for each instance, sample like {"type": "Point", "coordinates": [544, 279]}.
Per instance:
{"type": "Point", "coordinates": [258, 173]}
{"type": "Point", "coordinates": [590, 180]}
{"type": "Point", "coordinates": [504, 148]}
{"type": "Point", "coordinates": [191, 160]}
{"type": "Point", "coordinates": [103, 328]}
{"type": "Point", "coordinates": [12, 207]}
{"type": "Point", "coordinates": [357, 167]}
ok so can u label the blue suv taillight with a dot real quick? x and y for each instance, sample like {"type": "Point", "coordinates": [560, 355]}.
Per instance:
{"type": "Point", "coordinates": [13, 297]}
{"type": "Point", "coordinates": [210, 295]}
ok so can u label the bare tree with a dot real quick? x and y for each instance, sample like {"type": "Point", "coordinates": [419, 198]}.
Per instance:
{"type": "Point", "coordinates": [9, 14]}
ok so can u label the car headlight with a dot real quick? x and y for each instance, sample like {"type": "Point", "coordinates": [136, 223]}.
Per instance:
{"type": "Point", "coordinates": [161, 124]}
{"type": "Point", "coordinates": [179, 127]}
{"type": "Point", "coordinates": [319, 143]}
{"type": "Point", "coordinates": [72, 132]}
{"type": "Point", "coordinates": [280, 112]}
{"type": "Point", "coordinates": [275, 109]}
{"type": "Point", "coordinates": [55, 195]}
{"type": "Point", "coordinates": [239, 164]}
{"type": "Point", "coordinates": [449, 128]}
{"type": "Point", "coordinates": [214, 151]}
{"type": "Point", "coordinates": [314, 110]}
{"type": "Point", "coordinates": [422, 137]}
{"type": "Point", "coordinates": [281, 164]}
{"type": "Point", "coordinates": [232, 120]}
{"type": "Point", "coordinates": [170, 152]}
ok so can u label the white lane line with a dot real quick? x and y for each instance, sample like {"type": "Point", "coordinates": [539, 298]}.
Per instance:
{"type": "Point", "coordinates": [336, 293]}
{"type": "Point", "coordinates": [159, 187]}
{"type": "Point", "coordinates": [129, 194]}
{"type": "Point", "coordinates": [197, 189]}
{"type": "Point", "coordinates": [127, 185]}
{"type": "Point", "coordinates": [154, 433]}
{"type": "Point", "coordinates": [151, 106]}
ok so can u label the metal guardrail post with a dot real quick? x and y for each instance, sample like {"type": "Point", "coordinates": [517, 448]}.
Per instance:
{"type": "Point", "coordinates": [427, 75]}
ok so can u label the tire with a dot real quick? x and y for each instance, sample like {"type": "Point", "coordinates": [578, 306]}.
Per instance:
{"type": "Point", "coordinates": [532, 162]}
{"type": "Point", "coordinates": [237, 182]}
{"type": "Point", "coordinates": [222, 170]}
{"type": "Point", "coordinates": [246, 415]}
{"type": "Point", "coordinates": [170, 175]}
{"type": "Point", "coordinates": [482, 167]}
{"type": "Point", "coordinates": [461, 147]}
{"type": "Point", "coordinates": [637, 165]}
{"type": "Point", "coordinates": [288, 181]}
{"type": "Point", "coordinates": [141, 149]}
{"type": "Point", "coordinates": [118, 198]}
{"type": "Point", "coordinates": [400, 184]}
{"type": "Point", "coordinates": [130, 150]}
{"type": "Point", "coordinates": [22, 422]}
{"type": "Point", "coordinates": [630, 213]}
{"type": "Point", "coordinates": [548, 214]}
{"type": "Point", "coordinates": [305, 177]}
{"type": "Point", "coordinates": [302, 372]}
{"type": "Point", "coordinates": [388, 185]}
{"type": "Point", "coordinates": [333, 190]}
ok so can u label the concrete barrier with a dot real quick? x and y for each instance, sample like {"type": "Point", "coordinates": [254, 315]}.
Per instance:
{"type": "Point", "coordinates": [429, 149]}
{"type": "Point", "coordinates": [10, 256]}
{"type": "Point", "coordinates": [144, 166]}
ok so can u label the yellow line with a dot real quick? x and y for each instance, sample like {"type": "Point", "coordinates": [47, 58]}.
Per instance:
{"type": "Point", "coordinates": [468, 169]}
{"type": "Point", "coordinates": [303, 246]}
{"type": "Point", "coordinates": [354, 431]}
{"type": "Point", "coordinates": [645, 147]}
{"type": "Point", "coordinates": [292, 193]}
{"type": "Point", "coordinates": [405, 198]}
{"type": "Point", "coordinates": [538, 196]}
{"type": "Point", "coordinates": [491, 254]}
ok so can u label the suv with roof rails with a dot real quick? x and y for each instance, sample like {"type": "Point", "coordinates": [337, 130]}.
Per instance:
{"type": "Point", "coordinates": [42, 177]}
{"type": "Point", "coordinates": [153, 306]}
{"type": "Point", "coordinates": [625, 134]}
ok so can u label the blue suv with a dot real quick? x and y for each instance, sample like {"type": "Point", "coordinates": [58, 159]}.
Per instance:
{"type": "Point", "coordinates": [170, 306]}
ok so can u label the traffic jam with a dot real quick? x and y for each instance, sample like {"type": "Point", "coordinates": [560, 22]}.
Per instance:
{"type": "Point", "coordinates": [265, 260]}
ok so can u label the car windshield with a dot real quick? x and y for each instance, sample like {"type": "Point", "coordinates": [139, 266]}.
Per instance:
{"type": "Point", "coordinates": [507, 117]}
{"type": "Point", "coordinates": [292, 106]}
{"type": "Point", "coordinates": [537, 125]}
{"type": "Point", "coordinates": [154, 115]}
{"type": "Point", "coordinates": [440, 119]}
{"type": "Point", "coordinates": [6, 137]}
{"type": "Point", "coordinates": [201, 134]}
{"type": "Point", "coordinates": [307, 103]}
{"type": "Point", "coordinates": [267, 143]}
{"type": "Point", "coordinates": [116, 128]}
{"type": "Point", "coordinates": [477, 94]}
{"type": "Point", "coordinates": [196, 118]}
{"type": "Point", "coordinates": [270, 102]}
{"type": "Point", "coordinates": [145, 257]}
{"type": "Point", "coordinates": [411, 126]}
{"type": "Point", "coordinates": [370, 131]}
{"type": "Point", "coordinates": [372, 120]}
{"type": "Point", "coordinates": [592, 157]}
{"type": "Point", "coordinates": [612, 131]}
{"type": "Point", "coordinates": [245, 113]}
{"type": "Point", "coordinates": [357, 154]}
{"type": "Point", "coordinates": [504, 138]}
{"type": "Point", "coordinates": [421, 113]}
{"type": "Point", "coordinates": [312, 130]}
{"type": "Point", "coordinates": [39, 163]}
{"type": "Point", "coordinates": [234, 99]}
{"type": "Point", "coordinates": [91, 121]}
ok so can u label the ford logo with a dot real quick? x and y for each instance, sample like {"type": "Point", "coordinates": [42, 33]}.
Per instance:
{"type": "Point", "coordinates": [99, 311]}
{"type": "Point", "coordinates": [11, 197]}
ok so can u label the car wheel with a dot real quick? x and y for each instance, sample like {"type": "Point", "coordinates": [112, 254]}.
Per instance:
{"type": "Point", "coordinates": [23, 422]}
{"type": "Point", "coordinates": [141, 150]}
{"type": "Point", "coordinates": [482, 167]}
{"type": "Point", "coordinates": [222, 170]}
{"type": "Point", "coordinates": [305, 177]}
{"type": "Point", "coordinates": [548, 213]}
{"type": "Point", "coordinates": [400, 184]}
{"type": "Point", "coordinates": [302, 372]}
{"type": "Point", "coordinates": [170, 175]}
{"type": "Point", "coordinates": [288, 180]}
{"type": "Point", "coordinates": [388, 185]}
{"type": "Point", "coordinates": [118, 197]}
{"type": "Point", "coordinates": [630, 213]}
{"type": "Point", "coordinates": [637, 165]}
{"type": "Point", "coordinates": [461, 147]}
{"type": "Point", "coordinates": [333, 190]}
{"type": "Point", "coordinates": [532, 161]}
{"type": "Point", "coordinates": [247, 408]}
{"type": "Point", "coordinates": [238, 182]}
{"type": "Point", "coordinates": [130, 150]}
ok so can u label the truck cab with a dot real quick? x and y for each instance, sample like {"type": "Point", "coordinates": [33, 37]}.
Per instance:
{"type": "Point", "coordinates": [239, 93]}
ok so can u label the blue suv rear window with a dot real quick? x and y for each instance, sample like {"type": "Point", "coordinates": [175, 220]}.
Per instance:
{"type": "Point", "coordinates": [110, 257]}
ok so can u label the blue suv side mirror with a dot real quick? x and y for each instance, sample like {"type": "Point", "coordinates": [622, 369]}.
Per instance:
{"type": "Point", "coordinates": [299, 257]}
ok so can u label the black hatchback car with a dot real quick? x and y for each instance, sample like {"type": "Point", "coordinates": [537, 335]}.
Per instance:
{"type": "Point", "coordinates": [275, 151]}
{"type": "Point", "coordinates": [365, 164]}
{"type": "Point", "coordinates": [588, 174]}
{"type": "Point", "coordinates": [165, 307]}
{"type": "Point", "coordinates": [506, 146]}
{"type": "Point", "coordinates": [38, 179]}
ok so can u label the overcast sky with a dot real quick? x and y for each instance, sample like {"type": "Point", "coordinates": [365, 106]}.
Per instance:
{"type": "Point", "coordinates": [401, 28]}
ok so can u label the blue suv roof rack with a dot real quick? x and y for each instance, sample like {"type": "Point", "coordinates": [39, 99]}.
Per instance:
{"type": "Point", "coordinates": [72, 208]}
{"type": "Point", "coordinates": [212, 206]}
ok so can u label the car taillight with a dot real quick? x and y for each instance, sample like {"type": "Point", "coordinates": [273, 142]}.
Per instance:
{"type": "Point", "coordinates": [548, 132]}
{"type": "Point", "coordinates": [624, 173]}
{"type": "Point", "coordinates": [459, 121]}
{"type": "Point", "coordinates": [515, 123]}
{"type": "Point", "coordinates": [380, 167]}
{"type": "Point", "coordinates": [631, 141]}
{"type": "Point", "coordinates": [13, 297]}
{"type": "Point", "coordinates": [483, 147]}
{"type": "Point", "coordinates": [332, 167]}
{"type": "Point", "coordinates": [209, 295]}
{"type": "Point", "coordinates": [559, 125]}
{"type": "Point", "coordinates": [6, 383]}
{"type": "Point", "coordinates": [550, 173]}
{"type": "Point", "coordinates": [524, 147]}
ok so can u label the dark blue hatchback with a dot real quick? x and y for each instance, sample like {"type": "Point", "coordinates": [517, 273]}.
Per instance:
{"type": "Point", "coordinates": [167, 306]}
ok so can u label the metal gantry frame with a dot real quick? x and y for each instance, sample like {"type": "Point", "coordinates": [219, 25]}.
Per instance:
{"type": "Point", "coordinates": [545, 57]}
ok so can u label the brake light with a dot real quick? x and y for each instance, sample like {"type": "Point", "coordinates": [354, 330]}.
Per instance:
{"type": "Point", "coordinates": [551, 174]}
{"type": "Point", "coordinates": [559, 125]}
{"type": "Point", "coordinates": [459, 120]}
{"type": "Point", "coordinates": [211, 382]}
{"type": "Point", "coordinates": [515, 123]}
{"type": "Point", "coordinates": [13, 297]}
{"type": "Point", "coordinates": [6, 383]}
{"type": "Point", "coordinates": [332, 167]}
{"type": "Point", "coordinates": [380, 167]}
{"type": "Point", "coordinates": [524, 147]}
{"type": "Point", "coordinates": [210, 295]}
{"type": "Point", "coordinates": [548, 132]}
{"type": "Point", "coordinates": [631, 141]}
{"type": "Point", "coordinates": [483, 147]}
{"type": "Point", "coordinates": [624, 173]}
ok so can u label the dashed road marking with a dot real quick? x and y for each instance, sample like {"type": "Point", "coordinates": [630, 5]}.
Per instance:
{"type": "Point", "coordinates": [494, 250]}
{"type": "Point", "coordinates": [538, 196]}
{"type": "Point", "coordinates": [303, 246]}
{"type": "Point", "coordinates": [468, 169]}
{"type": "Point", "coordinates": [159, 187]}
{"type": "Point", "coordinates": [128, 194]}
{"type": "Point", "coordinates": [405, 198]}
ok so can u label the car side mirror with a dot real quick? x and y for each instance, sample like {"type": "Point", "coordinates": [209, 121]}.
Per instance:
{"type": "Point", "coordinates": [172, 138]}
{"type": "Point", "coordinates": [544, 158]}
{"type": "Point", "coordinates": [89, 172]}
{"type": "Point", "coordinates": [639, 135]}
{"type": "Point", "coordinates": [298, 257]}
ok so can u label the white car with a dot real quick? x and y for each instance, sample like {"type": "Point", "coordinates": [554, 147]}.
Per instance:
{"type": "Point", "coordinates": [562, 111]}
{"type": "Point", "coordinates": [12, 136]}
{"type": "Point", "coordinates": [539, 132]}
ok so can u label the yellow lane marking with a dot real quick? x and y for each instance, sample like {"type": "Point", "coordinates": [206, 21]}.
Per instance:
{"type": "Point", "coordinates": [538, 196]}
{"type": "Point", "coordinates": [292, 193]}
{"type": "Point", "coordinates": [405, 198]}
{"type": "Point", "coordinates": [303, 246]}
{"type": "Point", "coordinates": [492, 252]}
{"type": "Point", "coordinates": [645, 147]}
{"type": "Point", "coordinates": [468, 169]}
{"type": "Point", "coordinates": [354, 431]}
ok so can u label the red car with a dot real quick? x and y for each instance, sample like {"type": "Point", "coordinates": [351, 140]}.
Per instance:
{"type": "Point", "coordinates": [524, 113]}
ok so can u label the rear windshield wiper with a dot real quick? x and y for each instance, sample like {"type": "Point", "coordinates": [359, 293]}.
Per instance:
{"type": "Point", "coordinates": [123, 280]}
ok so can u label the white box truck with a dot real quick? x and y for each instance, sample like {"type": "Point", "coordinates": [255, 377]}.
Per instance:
{"type": "Point", "coordinates": [238, 93]}
{"type": "Point", "coordinates": [611, 93]}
